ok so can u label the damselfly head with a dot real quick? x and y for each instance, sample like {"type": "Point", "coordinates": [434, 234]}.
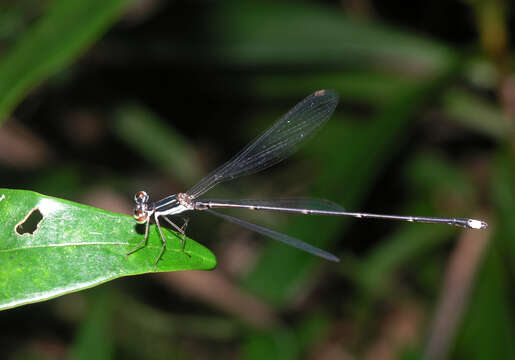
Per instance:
{"type": "Point", "coordinates": [141, 197]}
{"type": "Point", "coordinates": [143, 209]}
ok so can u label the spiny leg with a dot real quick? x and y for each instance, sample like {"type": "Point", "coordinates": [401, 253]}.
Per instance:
{"type": "Point", "coordinates": [181, 230]}
{"type": "Point", "coordinates": [163, 240]}
{"type": "Point", "coordinates": [142, 243]}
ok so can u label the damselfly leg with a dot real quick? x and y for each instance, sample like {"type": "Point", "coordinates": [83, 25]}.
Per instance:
{"type": "Point", "coordinates": [142, 243]}
{"type": "Point", "coordinates": [181, 230]}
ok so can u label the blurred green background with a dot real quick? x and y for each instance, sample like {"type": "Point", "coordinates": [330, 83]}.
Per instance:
{"type": "Point", "coordinates": [99, 99]}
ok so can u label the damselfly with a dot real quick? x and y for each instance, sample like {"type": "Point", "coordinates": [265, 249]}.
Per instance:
{"type": "Point", "coordinates": [281, 140]}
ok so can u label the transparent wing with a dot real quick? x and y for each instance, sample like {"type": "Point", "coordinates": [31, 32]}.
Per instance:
{"type": "Point", "coordinates": [294, 205]}
{"type": "Point", "coordinates": [275, 144]}
{"type": "Point", "coordinates": [299, 244]}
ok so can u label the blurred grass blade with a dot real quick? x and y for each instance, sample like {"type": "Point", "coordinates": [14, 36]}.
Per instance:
{"type": "Point", "coordinates": [374, 142]}
{"type": "Point", "coordinates": [503, 193]}
{"type": "Point", "coordinates": [264, 33]}
{"type": "Point", "coordinates": [94, 340]}
{"type": "Point", "coordinates": [55, 40]}
{"type": "Point", "coordinates": [475, 113]}
{"type": "Point", "coordinates": [70, 247]}
{"type": "Point", "coordinates": [353, 153]}
{"type": "Point", "coordinates": [366, 86]}
{"type": "Point", "coordinates": [488, 330]}
{"type": "Point", "coordinates": [275, 344]}
{"type": "Point", "coordinates": [289, 343]}
{"type": "Point", "coordinates": [427, 172]}
{"type": "Point", "coordinates": [374, 275]}
{"type": "Point", "coordinates": [158, 143]}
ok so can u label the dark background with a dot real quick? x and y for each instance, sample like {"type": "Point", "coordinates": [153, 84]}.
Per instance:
{"type": "Point", "coordinates": [169, 90]}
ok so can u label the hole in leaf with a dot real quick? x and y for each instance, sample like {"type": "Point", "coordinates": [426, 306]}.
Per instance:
{"type": "Point", "coordinates": [30, 224]}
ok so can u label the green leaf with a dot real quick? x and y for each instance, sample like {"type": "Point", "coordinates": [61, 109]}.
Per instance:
{"type": "Point", "coordinates": [74, 247]}
{"type": "Point", "coordinates": [66, 29]}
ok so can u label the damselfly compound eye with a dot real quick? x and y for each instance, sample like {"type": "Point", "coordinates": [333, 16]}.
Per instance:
{"type": "Point", "coordinates": [140, 197]}
{"type": "Point", "coordinates": [140, 216]}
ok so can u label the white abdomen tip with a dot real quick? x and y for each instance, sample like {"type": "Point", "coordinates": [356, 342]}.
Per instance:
{"type": "Point", "coordinates": [477, 224]}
